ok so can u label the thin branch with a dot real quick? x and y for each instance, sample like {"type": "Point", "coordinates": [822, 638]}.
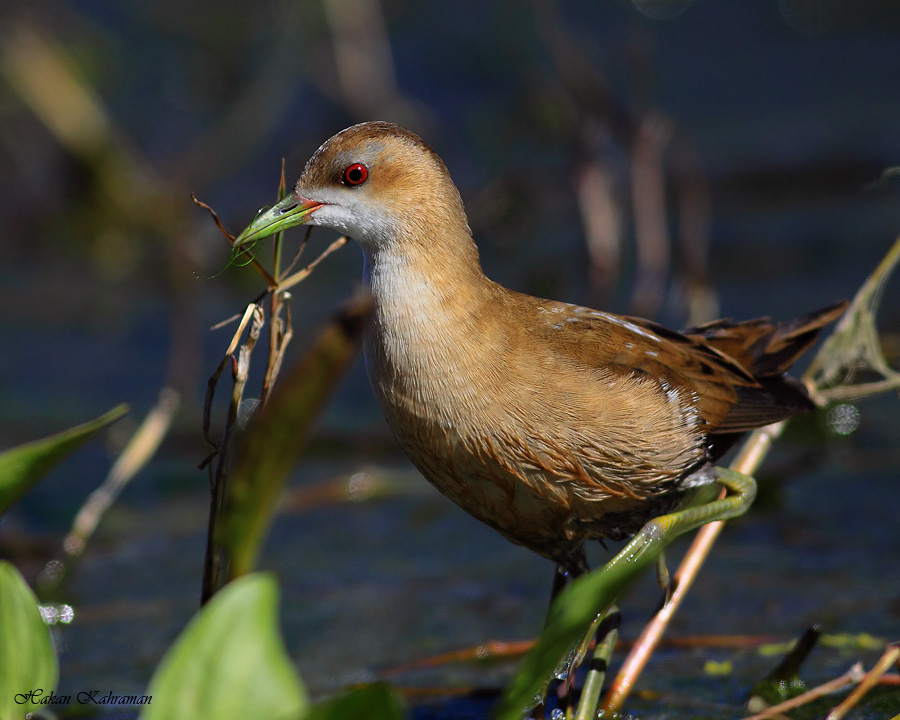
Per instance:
{"type": "Point", "coordinates": [215, 563]}
{"type": "Point", "coordinates": [280, 334]}
{"type": "Point", "coordinates": [297, 254]}
{"type": "Point", "coordinates": [304, 273]}
{"type": "Point", "coordinates": [136, 455]}
{"type": "Point", "coordinates": [853, 676]}
{"type": "Point", "coordinates": [213, 381]}
{"type": "Point", "coordinates": [888, 659]}
{"type": "Point", "coordinates": [215, 217]}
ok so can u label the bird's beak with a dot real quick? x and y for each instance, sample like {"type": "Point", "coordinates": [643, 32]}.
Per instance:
{"type": "Point", "coordinates": [292, 210]}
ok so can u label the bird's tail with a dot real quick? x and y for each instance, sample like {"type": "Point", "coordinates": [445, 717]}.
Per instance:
{"type": "Point", "coordinates": [764, 348]}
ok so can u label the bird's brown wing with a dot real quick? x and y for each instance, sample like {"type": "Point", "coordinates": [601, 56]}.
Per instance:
{"type": "Point", "coordinates": [732, 372]}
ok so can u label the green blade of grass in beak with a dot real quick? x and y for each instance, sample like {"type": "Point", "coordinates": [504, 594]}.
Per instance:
{"type": "Point", "coordinates": [292, 210]}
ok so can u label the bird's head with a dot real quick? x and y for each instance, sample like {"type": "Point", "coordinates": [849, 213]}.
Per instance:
{"type": "Point", "coordinates": [374, 182]}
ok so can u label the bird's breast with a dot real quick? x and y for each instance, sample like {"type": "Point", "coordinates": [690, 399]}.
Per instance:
{"type": "Point", "coordinates": [519, 435]}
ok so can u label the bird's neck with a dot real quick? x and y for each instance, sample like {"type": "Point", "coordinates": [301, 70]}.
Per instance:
{"type": "Point", "coordinates": [432, 303]}
{"type": "Point", "coordinates": [426, 281]}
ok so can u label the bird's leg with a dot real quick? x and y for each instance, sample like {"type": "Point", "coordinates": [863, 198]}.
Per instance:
{"type": "Point", "coordinates": [645, 546]}
{"type": "Point", "coordinates": [565, 571]}
{"type": "Point", "coordinates": [560, 578]}
{"type": "Point", "coordinates": [602, 636]}
{"type": "Point", "coordinates": [605, 584]}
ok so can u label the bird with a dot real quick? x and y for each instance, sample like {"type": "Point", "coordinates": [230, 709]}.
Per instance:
{"type": "Point", "coordinates": [554, 424]}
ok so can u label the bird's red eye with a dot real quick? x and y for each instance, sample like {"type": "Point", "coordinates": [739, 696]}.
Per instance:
{"type": "Point", "coordinates": [355, 174]}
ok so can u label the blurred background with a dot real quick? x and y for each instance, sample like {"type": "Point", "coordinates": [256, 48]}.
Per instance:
{"type": "Point", "coordinates": [674, 159]}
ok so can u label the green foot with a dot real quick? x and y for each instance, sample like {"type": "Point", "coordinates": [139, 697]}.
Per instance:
{"type": "Point", "coordinates": [659, 532]}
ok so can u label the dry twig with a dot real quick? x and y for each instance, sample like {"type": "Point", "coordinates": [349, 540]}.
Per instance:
{"type": "Point", "coordinates": [886, 662]}
{"type": "Point", "coordinates": [849, 678]}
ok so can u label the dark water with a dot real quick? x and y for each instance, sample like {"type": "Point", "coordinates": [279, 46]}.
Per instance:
{"type": "Point", "coordinates": [789, 129]}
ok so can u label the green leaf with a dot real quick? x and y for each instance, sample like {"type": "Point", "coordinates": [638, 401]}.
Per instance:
{"type": "Point", "coordinates": [372, 702]}
{"type": "Point", "coordinates": [23, 466]}
{"type": "Point", "coordinates": [28, 670]}
{"type": "Point", "coordinates": [230, 662]}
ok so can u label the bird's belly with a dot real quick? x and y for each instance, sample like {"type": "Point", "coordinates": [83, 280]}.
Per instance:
{"type": "Point", "coordinates": [542, 510]}
{"type": "Point", "coordinates": [492, 492]}
{"type": "Point", "coordinates": [548, 486]}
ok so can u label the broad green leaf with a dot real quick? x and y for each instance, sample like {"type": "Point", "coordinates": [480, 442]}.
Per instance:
{"type": "Point", "coordinates": [23, 466]}
{"type": "Point", "coordinates": [373, 702]}
{"type": "Point", "coordinates": [230, 662]}
{"type": "Point", "coordinates": [28, 670]}
{"type": "Point", "coordinates": [275, 438]}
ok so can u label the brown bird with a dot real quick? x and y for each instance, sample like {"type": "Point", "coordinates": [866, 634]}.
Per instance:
{"type": "Point", "coordinates": [552, 423]}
